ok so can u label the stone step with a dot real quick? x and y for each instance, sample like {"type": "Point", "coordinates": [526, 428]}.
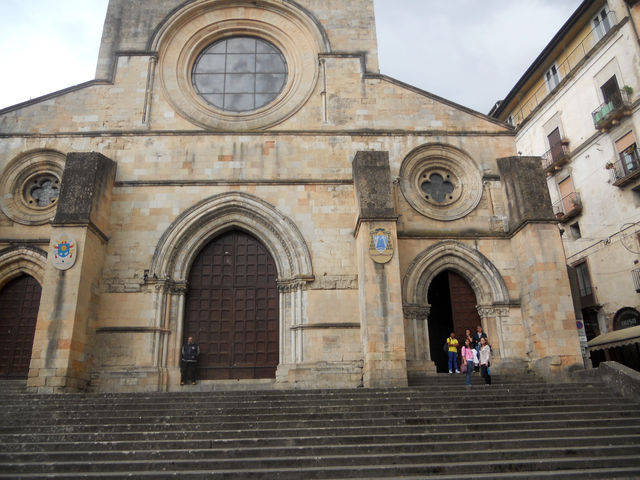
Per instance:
{"type": "Point", "coordinates": [252, 431]}
{"type": "Point", "coordinates": [585, 434]}
{"type": "Point", "coordinates": [298, 467]}
{"type": "Point", "coordinates": [518, 429]}
{"type": "Point", "coordinates": [211, 422]}
{"type": "Point", "coordinates": [208, 450]}
{"type": "Point", "coordinates": [476, 395]}
{"type": "Point", "coordinates": [304, 395]}
{"type": "Point", "coordinates": [204, 409]}
{"type": "Point", "coordinates": [113, 419]}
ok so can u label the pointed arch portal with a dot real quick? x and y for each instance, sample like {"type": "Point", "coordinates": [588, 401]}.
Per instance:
{"type": "Point", "coordinates": [179, 263]}
{"type": "Point", "coordinates": [449, 287]}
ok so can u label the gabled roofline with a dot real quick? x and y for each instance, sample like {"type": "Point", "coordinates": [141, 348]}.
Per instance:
{"type": "Point", "coordinates": [437, 98]}
{"type": "Point", "coordinates": [537, 63]}
{"type": "Point", "coordinates": [51, 95]}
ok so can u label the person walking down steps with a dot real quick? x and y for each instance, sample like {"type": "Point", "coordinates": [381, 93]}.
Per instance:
{"type": "Point", "coordinates": [189, 358]}
{"type": "Point", "coordinates": [452, 342]}
{"type": "Point", "coordinates": [485, 360]}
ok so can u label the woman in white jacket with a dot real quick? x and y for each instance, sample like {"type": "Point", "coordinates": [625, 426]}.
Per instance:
{"type": "Point", "coordinates": [485, 360]}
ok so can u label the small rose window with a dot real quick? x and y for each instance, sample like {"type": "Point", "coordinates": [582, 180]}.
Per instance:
{"type": "Point", "coordinates": [42, 190]}
{"type": "Point", "coordinates": [437, 188]}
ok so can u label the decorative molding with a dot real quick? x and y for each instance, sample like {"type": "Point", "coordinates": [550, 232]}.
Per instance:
{"type": "Point", "coordinates": [22, 260]}
{"type": "Point", "coordinates": [324, 326]}
{"type": "Point", "coordinates": [273, 133]}
{"type": "Point", "coordinates": [493, 310]}
{"type": "Point", "coordinates": [210, 182]}
{"type": "Point", "coordinates": [199, 224]}
{"type": "Point", "coordinates": [132, 330]}
{"type": "Point", "coordinates": [416, 312]}
{"type": "Point", "coordinates": [482, 275]}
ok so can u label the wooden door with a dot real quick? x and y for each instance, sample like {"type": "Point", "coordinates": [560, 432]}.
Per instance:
{"type": "Point", "coordinates": [463, 306]}
{"type": "Point", "coordinates": [567, 194]}
{"type": "Point", "coordinates": [232, 309]}
{"type": "Point", "coordinates": [555, 143]}
{"type": "Point", "coordinates": [19, 304]}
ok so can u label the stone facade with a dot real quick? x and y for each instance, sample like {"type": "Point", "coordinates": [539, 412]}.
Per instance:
{"type": "Point", "coordinates": [342, 154]}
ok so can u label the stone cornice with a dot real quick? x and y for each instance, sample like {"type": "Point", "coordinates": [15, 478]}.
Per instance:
{"type": "Point", "coordinates": [263, 133]}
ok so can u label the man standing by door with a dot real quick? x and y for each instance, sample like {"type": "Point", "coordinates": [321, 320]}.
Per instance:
{"type": "Point", "coordinates": [189, 358]}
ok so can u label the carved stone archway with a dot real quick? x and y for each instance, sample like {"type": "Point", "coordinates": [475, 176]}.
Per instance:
{"type": "Point", "coordinates": [193, 229]}
{"type": "Point", "coordinates": [16, 261]}
{"type": "Point", "coordinates": [485, 280]}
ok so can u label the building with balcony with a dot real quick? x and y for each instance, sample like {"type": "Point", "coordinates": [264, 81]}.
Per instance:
{"type": "Point", "coordinates": [577, 107]}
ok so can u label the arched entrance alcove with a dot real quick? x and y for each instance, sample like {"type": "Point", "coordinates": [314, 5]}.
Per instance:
{"type": "Point", "coordinates": [190, 234]}
{"type": "Point", "coordinates": [431, 275]}
{"type": "Point", "coordinates": [453, 308]}
{"type": "Point", "coordinates": [21, 273]}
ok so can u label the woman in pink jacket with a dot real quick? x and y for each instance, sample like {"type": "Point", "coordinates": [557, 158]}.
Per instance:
{"type": "Point", "coordinates": [467, 358]}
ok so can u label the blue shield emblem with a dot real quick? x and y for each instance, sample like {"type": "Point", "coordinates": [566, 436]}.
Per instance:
{"type": "Point", "coordinates": [381, 241]}
{"type": "Point", "coordinates": [63, 249]}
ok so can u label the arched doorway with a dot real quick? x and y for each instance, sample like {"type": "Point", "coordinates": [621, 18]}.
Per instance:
{"type": "Point", "coordinates": [232, 308]}
{"type": "Point", "coordinates": [19, 304]}
{"type": "Point", "coordinates": [453, 309]}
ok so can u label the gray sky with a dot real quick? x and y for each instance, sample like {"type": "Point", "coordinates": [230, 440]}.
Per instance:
{"type": "Point", "coordinates": [468, 51]}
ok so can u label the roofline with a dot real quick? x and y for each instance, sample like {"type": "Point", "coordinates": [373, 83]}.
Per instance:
{"type": "Point", "coordinates": [573, 20]}
{"type": "Point", "coordinates": [433, 96]}
{"type": "Point", "coordinates": [49, 96]}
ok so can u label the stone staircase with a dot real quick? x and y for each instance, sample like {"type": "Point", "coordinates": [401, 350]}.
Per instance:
{"type": "Point", "coordinates": [517, 428]}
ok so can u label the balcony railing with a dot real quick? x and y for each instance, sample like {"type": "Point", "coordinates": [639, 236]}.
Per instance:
{"type": "Point", "coordinates": [610, 113]}
{"type": "Point", "coordinates": [568, 207]}
{"type": "Point", "coordinates": [554, 158]}
{"type": "Point", "coordinates": [625, 169]}
{"type": "Point", "coordinates": [636, 278]}
{"type": "Point", "coordinates": [569, 63]}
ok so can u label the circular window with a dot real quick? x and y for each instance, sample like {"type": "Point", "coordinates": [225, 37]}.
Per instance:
{"type": "Point", "coordinates": [30, 186]}
{"type": "Point", "coordinates": [239, 66]}
{"type": "Point", "coordinates": [239, 74]}
{"type": "Point", "coordinates": [441, 182]}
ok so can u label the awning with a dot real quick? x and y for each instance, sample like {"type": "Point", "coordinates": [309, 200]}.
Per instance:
{"type": "Point", "coordinates": [617, 338]}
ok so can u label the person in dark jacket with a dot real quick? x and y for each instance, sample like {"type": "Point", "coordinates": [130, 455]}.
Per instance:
{"type": "Point", "coordinates": [189, 359]}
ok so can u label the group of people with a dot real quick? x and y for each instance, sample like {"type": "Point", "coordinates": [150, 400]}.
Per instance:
{"type": "Point", "coordinates": [476, 354]}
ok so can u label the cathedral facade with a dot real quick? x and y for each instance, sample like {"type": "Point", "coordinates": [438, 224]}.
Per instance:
{"type": "Point", "coordinates": [242, 173]}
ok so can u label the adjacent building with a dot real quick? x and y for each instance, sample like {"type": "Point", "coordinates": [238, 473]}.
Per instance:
{"type": "Point", "coordinates": [577, 108]}
{"type": "Point", "coordinates": [242, 173]}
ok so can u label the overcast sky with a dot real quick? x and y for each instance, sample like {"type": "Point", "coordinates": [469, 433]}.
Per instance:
{"type": "Point", "coordinates": [468, 51]}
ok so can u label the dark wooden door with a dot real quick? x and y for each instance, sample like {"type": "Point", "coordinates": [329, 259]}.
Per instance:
{"type": "Point", "coordinates": [19, 304]}
{"type": "Point", "coordinates": [463, 306]}
{"type": "Point", "coordinates": [555, 142]}
{"type": "Point", "coordinates": [232, 309]}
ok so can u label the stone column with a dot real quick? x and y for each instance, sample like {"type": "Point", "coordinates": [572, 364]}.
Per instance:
{"type": "Point", "coordinates": [547, 309]}
{"type": "Point", "coordinates": [379, 281]}
{"type": "Point", "coordinates": [65, 329]}
{"type": "Point", "coordinates": [419, 363]}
